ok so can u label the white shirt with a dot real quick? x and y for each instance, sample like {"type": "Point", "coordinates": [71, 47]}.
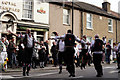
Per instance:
{"type": "Point", "coordinates": [76, 51]}
{"type": "Point", "coordinates": [118, 47]}
{"type": "Point", "coordinates": [61, 45]}
{"type": "Point", "coordinates": [30, 41]}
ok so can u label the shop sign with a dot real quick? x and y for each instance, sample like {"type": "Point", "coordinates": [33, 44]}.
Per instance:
{"type": "Point", "coordinates": [11, 5]}
{"type": "Point", "coordinates": [41, 10]}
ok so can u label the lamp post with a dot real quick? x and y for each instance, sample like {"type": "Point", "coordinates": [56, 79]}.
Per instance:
{"type": "Point", "coordinates": [9, 24]}
{"type": "Point", "coordinates": [72, 17]}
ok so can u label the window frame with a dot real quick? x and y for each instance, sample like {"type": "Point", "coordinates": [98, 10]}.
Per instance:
{"type": "Point", "coordinates": [110, 25]}
{"type": "Point", "coordinates": [88, 21]}
{"type": "Point", "coordinates": [29, 10]}
{"type": "Point", "coordinates": [68, 15]}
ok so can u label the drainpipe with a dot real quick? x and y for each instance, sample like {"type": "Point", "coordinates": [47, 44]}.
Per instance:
{"type": "Point", "coordinates": [116, 31]}
{"type": "Point", "coordinates": [72, 17]}
{"type": "Point", "coordinates": [81, 24]}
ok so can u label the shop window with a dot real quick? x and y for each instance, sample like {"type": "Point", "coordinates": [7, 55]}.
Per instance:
{"type": "Point", "coordinates": [66, 16]}
{"type": "Point", "coordinates": [89, 21]}
{"type": "Point", "coordinates": [110, 25]}
{"type": "Point", "coordinates": [27, 9]}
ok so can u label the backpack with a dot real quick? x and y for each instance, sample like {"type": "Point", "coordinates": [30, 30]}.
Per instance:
{"type": "Point", "coordinates": [69, 40]}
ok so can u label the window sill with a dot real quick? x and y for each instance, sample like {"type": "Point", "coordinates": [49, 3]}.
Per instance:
{"type": "Point", "coordinates": [27, 19]}
{"type": "Point", "coordinates": [66, 24]}
{"type": "Point", "coordinates": [89, 28]}
{"type": "Point", "coordinates": [110, 31]}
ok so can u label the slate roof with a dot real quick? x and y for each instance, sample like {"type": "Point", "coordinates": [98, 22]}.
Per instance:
{"type": "Point", "coordinates": [85, 7]}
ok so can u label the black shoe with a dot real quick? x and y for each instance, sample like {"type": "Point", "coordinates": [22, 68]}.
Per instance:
{"type": "Point", "coordinates": [24, 74]}
{"type": "Point", "coordinates": [72, 75]}
{"type": "Point", "coordinates": [60, 71]}
{"type": "Point", "coordinates": [27, 73]}
{"type": "Point", "coordinates": [99, 75]}
{"type": "Point", "coordinates": [81, 67]}
{"type": "Point", "coordinates": [118, 68]}
{"type": "Point", "coordinates": [118, 71]}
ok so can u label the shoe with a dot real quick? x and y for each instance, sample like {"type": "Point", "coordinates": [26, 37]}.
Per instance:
{"type": "Point", "coordinates": [24, 74]}
{"type": "Point", "coordinates": [72, 75]}
{"type": "Point", "coordinates": [118, 71]}
{"type": "Point", "coordinates": [118, 68]}
{"type": "Point", "coordinates": [27, 73]}
{"type": "Point", "coordinates": [60, 71]}
{"type": "Point", "coordinates": [99, 75]}
{"type": "Point", "coordinates": [81, 67]}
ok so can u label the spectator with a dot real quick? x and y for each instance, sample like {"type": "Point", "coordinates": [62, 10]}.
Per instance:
{"type": "Point", "coordinates": [47, 52]}
{"type": "Point", "coordinates": [108, 53]}
{"type": "Point", "coordinates": [12, 52]}
{"type": "Point", "coordinates": [54, 52]}
{"type": "Point", "coordinates": [42, 53]}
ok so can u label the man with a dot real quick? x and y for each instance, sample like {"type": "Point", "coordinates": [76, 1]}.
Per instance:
{"type": "Point", "coordinates": [12, 52]}
{"type": "Point", "coordinates": [47, 52]}
{"type": "Point", "coordinates": [3, 54]}
{"type": "Point", "coordinates": [69, 39]}
{"type": "Point", "coordinates": [28, 42]}
{"type": "Point", "coordinates": [96, 48]}
{"type": "Point", "coordinates": [118, 57]}
{"type": "Point", "coordinates": [84, 52]}
{"type": "Point", "coordinates": [108, 53]}
{"type": "Point", "coordinates": [54, 52]}
{"type": "Point", "coordinates": [61, 46]}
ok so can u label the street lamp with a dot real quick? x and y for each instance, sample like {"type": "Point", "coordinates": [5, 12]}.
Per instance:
{"type": "Point", "coordinates": [72, 15]}
{"type": "Point", "coordinates": [9, 24]}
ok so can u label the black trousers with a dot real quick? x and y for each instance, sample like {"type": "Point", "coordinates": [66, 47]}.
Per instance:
{"type": "Point", "coordinates": [97, 58]}
{"type": "Point", "coordinates": [69, 59]}
{"type": "Point", "coordinates": [118, 60]}
{"type": "Point", "coordinates": [60, 57]}
{"type": "Point", "coordinates": [27, 56]}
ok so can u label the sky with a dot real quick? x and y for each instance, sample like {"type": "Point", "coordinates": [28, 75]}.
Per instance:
{"type": "Point", "coordinates": [114, 3]}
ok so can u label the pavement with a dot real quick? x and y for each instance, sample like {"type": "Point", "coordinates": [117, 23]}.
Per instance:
{"type": "Point", "coordinates": [48, 67]}
{"type": "Point", "coordinates": [49, 72]}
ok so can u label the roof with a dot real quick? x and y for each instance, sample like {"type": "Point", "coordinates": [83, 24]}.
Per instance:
{"type": "Point", "coordinates": [85, 7]}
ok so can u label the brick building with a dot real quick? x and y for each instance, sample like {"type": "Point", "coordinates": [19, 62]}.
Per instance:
{"type": "Point", "coordinates": [88, 20]}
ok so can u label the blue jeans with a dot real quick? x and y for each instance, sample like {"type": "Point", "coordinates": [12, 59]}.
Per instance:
{"type": "Point", "coordinates": [13, 60]}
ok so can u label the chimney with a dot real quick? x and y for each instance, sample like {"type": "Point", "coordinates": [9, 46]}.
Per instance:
{"type": "Point", "coordinates": [106, 6]}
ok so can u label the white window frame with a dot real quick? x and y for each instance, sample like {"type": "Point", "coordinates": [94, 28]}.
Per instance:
{"type": "Point", "coordinates": [88, 21]}
{"type": "Point", "coordinates": [111, 25]}
{"type": "Point", "coordinates": [27, 9]}
{"type": "Point", "coordinates": [68, 15]}
{"type": "Point", "coordinates": [89, 39]}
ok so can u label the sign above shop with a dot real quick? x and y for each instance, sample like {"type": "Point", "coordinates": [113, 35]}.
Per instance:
{"type": "Point", "coordinates": [6, 5]}
{"type": "Point", "coordinates": [41, 11]}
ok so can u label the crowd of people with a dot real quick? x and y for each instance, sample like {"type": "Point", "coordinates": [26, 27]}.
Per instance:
{"type": "Point", "coordinates": [32, 53]}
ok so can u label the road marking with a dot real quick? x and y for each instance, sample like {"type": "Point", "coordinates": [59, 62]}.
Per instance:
{"type": "Point", "coordinates": [78, 77]}
{"type": "Point", "coordinates": [18, 76]}
{"type": "Point", "coordinates": [113, 71]}
{"type": "Point", "coordinates": [113, 67]}
{"type": "Point", "coordinates": [44, 74]}
{"type": "Point", "coordinates": [6, 77]}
